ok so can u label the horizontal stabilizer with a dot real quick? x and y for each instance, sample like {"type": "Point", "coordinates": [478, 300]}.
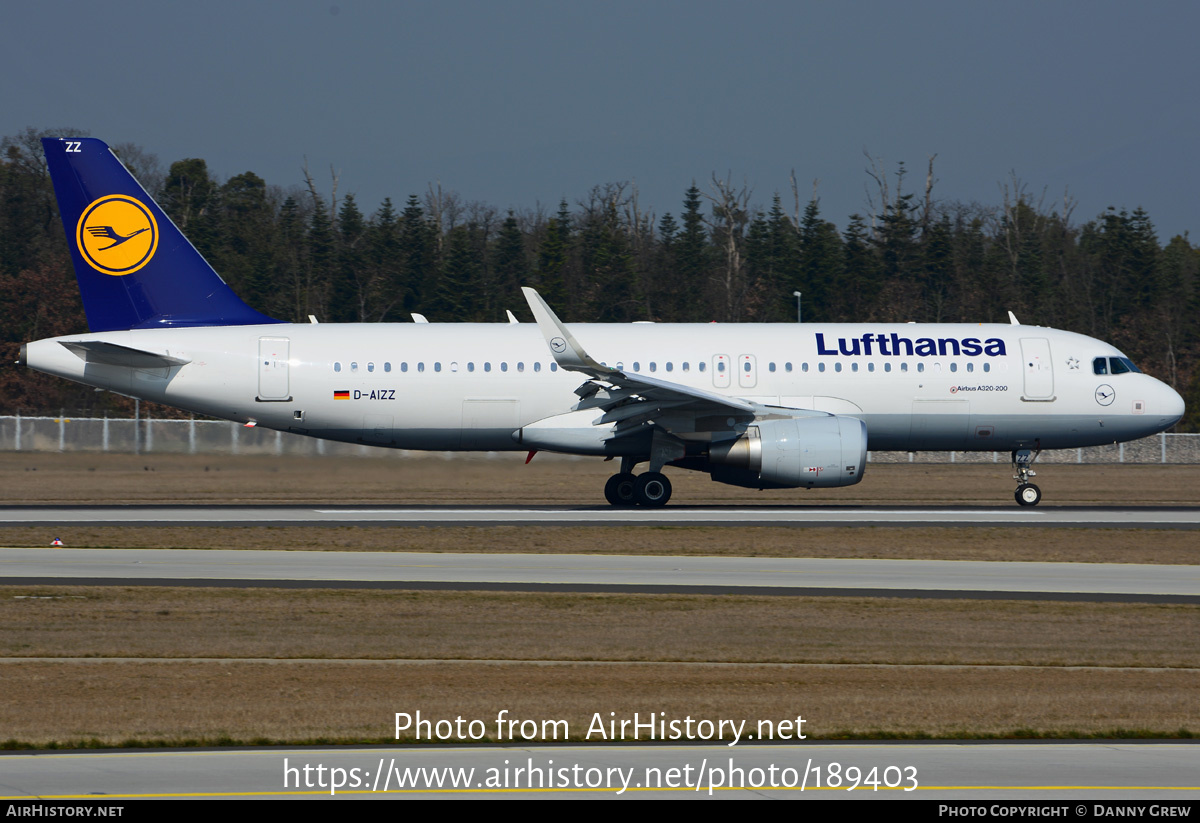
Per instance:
{"type": "Point", "coordinates": [110, 354]}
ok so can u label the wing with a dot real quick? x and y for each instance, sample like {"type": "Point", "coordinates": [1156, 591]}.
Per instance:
{"type": "Point", "coordinates": [635, 402]}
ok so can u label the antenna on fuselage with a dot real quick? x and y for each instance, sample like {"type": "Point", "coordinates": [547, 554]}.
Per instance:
{"type": "Point", "coordinates": [1012, 318]}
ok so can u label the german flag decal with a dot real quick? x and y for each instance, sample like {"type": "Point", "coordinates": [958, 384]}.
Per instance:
{"type": "Point", "coordinates": [341, 395]}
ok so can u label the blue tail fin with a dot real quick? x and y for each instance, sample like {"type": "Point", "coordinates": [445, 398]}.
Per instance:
{"type": "Point", "coordinates": [136, 270]}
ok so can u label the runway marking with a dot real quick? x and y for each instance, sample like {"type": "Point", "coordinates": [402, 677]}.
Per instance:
{"type": "Point", "coordinates": [690, 514]}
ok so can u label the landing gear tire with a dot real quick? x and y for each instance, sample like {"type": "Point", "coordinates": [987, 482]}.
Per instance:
{"type": "Point", "coordinates": [652, 490]}
{"type": "Point", "coordinates": [618, 491]}
{"type": "Point", "coordinates": [1028, 494]}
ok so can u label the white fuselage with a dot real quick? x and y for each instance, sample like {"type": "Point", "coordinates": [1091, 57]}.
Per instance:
{"type": "Point", "coordinates": [474, 386]}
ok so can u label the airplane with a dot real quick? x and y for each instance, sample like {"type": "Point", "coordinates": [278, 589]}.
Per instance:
{"type": "Point", "coordinates": [764, 406]}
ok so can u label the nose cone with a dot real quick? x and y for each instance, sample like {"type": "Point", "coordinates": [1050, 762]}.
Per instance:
{"type": "Point", "coordinates": [1171, 405]}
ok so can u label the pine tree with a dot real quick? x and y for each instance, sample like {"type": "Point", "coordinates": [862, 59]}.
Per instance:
{"type": "Point", "coordinates": [417, 256]}
{"type": "Point", "coordinates": [458, 297]}
{"type": "Point", "coordinates": [508, 260]}
{"type": "Point", "coordinates": [552, 258]}
{"type": "Point", "coordinates": [350, 282]}
{"type": "Point", "coordinates": [693, 255]}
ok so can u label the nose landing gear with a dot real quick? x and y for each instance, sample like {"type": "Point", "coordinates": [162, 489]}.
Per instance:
{"type": "Point", "coordinates": [1027, 493]}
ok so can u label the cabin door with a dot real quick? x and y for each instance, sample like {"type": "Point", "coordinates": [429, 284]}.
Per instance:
{"type": "Point", "coordinates": [1038, 368]}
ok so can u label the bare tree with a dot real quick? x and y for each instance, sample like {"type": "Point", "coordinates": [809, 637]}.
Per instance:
{"type": "Point", "coordinates": [929, 182]}
{"type": "Point", "coordinates": [143, 165]}
{"type": "Point", "coordinates": [730, 218]}
{"type": "Point", "coordinates": [316, 198]}
{"type": "Point", "coordinates": [444, 209]}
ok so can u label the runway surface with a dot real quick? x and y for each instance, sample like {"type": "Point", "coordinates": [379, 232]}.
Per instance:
{"type": "Point", "coordinates": [582, 572]}
{"type": "Point", "coordinates": [1109, 771]}
{"type": "Point", "coordinates": [1145, 517]}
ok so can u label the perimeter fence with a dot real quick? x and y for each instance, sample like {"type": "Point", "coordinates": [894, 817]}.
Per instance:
{"type": "Point", "coordinates": [164, 436]}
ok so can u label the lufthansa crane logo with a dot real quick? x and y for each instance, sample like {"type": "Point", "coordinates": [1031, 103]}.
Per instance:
{"type": "Point", "coordinates": [117, 235]}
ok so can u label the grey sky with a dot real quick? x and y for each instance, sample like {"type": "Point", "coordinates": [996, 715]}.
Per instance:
{"type": "Point", "coordinates": [516, 103]}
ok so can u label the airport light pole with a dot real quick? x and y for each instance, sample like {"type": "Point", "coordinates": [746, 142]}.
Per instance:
{"type": "Point", "coordinates": [798, 295]}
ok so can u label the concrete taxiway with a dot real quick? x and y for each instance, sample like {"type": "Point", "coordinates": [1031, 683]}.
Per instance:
{"type": "Point", "coordinates": [582, 572]}
{"type": "Point", "coordinates": [1039, 772]}
{"type": "Point", "coordinates": [1144, 517]}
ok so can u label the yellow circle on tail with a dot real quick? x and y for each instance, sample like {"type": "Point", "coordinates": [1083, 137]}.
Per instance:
{"type": "Point", "coordinates": [117, 234]}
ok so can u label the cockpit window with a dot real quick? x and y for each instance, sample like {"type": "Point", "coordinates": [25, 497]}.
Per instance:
{"type": "Point", "coordinates": [1114, 365]}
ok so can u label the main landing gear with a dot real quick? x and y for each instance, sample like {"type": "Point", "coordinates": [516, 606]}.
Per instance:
{"type": "Point", "coordinates": [651, 489]}
{"type": "Point", "coordinates": [626, 489]}
{"type": "Point", "coordinates": [1027, 494]}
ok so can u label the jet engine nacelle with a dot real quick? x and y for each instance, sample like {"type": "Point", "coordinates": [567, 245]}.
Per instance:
{"type": "Point", "coordinates": [803, 451]}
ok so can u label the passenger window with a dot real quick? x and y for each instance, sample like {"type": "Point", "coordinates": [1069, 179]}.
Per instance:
{"type": "Point", "coordinates": [387, 368]}
{"type": "Point", "coordinates": [337, 367]}
{"type": "Point", "coordinates": [487, 366]}
{"type": "Point", "coordinates": [637, 366]}
{"type": "Point", "coordinates": [820, 367]}
{"type": "Point", "coordinates": [803, 367]}
{"type": "Point", "coordinates": [653, 366]}
{"type": "Point", "coordinates": [353, 366]}
{"type": "Point", "coordinates": [787, 367]}
{"type": "Point", "coordinates": [437, 366]}
{"type": "Point", "coordinates": [771, 368]}
{"type": "Point", "coordinates": [553, 367]}
{"type": "Point", "coordinates": [837, 366]}
{"type": "Point", "coordinates": [537, 366]}
{"type": "Point", "coordinates": [421, 366]}
{"type": "Point", "coordinates": [903, 367]}
{"type": "Point", "coordinates": [403, 366]}
{"type": "Point", "coordinates": [504, 366]}
{"type": "Point", "coordinates": [970, 367]}
{"type": "Point", "coordinates": [854, 367]}
{"type": "Point", "coordinates": [721, 367]}
{"type": "Point", "coordinates": [920, 367]}
{"type": "Point", "coordinates": [520, 366]}
{"type": "Point", "coordinates": [987, 366]}
{"type": "Point", "coordinates": [669, 366]}
{"type": "Point", "coordinates": [371, 367]}
{"type": "Point", "coordinates": [470, 366]}
{"type": "Point", "coordinates": [953, 367]}
{"type": "Point", "coordinates": [887, 366]}
{"type": "Point", "coordinates": [685, 365]}
{"type": "Point", "coordinates": [702, 365]}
